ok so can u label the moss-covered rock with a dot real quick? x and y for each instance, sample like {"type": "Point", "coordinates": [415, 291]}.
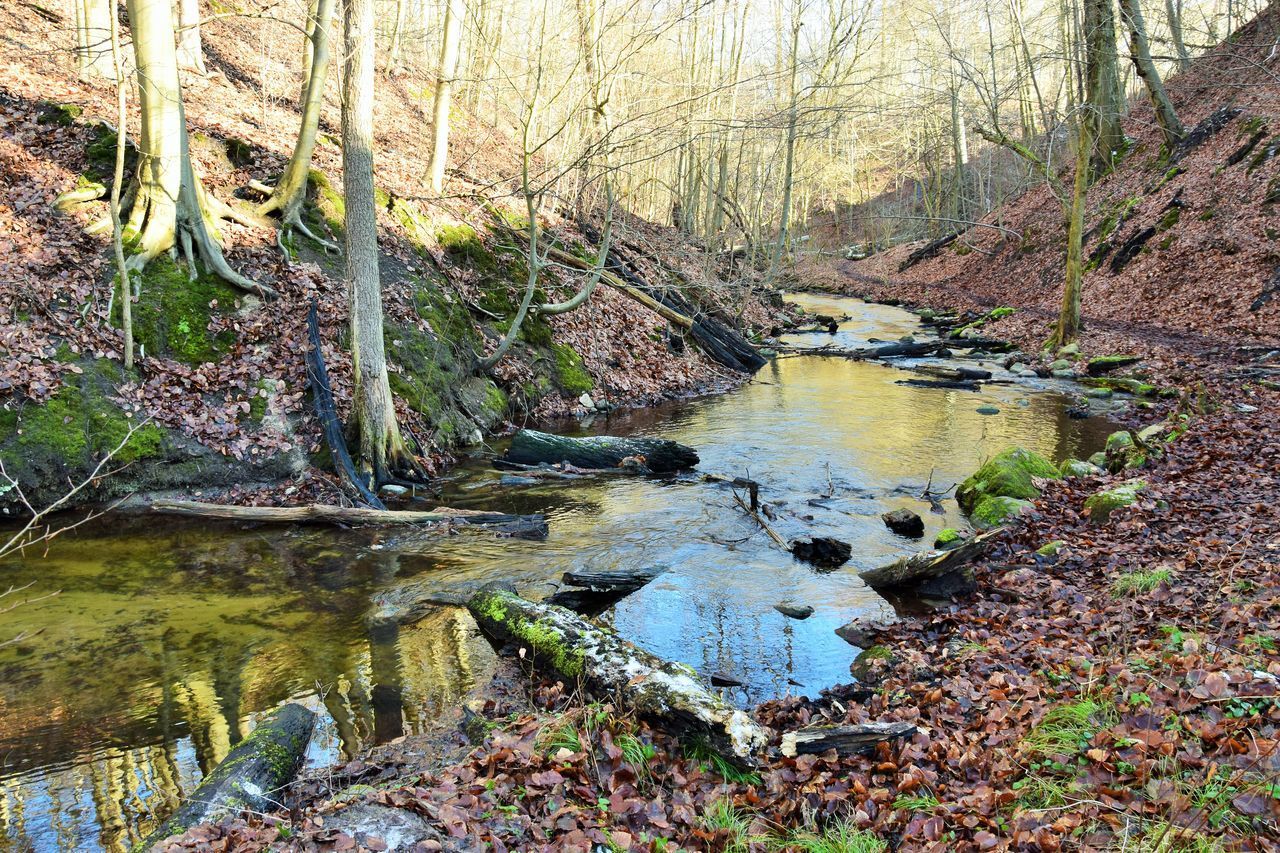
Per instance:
{"type": "Point", "coordinates": [571, 375]}
{"type": "Point", "coordinates": [1123, 452]}
{"type": "Point", "coordinates": [871, 665]}
{"type": "Point", "coordinates": [1128, 385]}
{"type": "Point", "coordinates": [1010, 473]}
{"type": "Point", "coordinates": [948, 537]}
{"type": "Point", "coordinates": [62, 115]}
{"type": "Point", "coordinates": [1050, 549]}
{"type": "Point", "coordinates": [172, 315]}
{"type": "Point", "coordinates": [994, 510]}
{"type": "Point", "coordinates": [1078, 468]}
{"type": "Point", "coordinates": [1101, 505]}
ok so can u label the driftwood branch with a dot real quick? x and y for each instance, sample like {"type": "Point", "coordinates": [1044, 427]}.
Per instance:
{"type": "Point", "coordinates": [342, 515]}
{"type": "Point", "coordinates": [845, 740]}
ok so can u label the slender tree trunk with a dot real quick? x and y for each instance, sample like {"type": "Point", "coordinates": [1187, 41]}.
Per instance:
{"type": "Point", "coordinates": [308, 49]}
{"type": "Point", "coordinates": [455, 11]}
{"type": "Point", "coordinates": [117, 232]}
{"type": "Point", "coordinates": [393, 55]}
{"type": "Point", "coordinates": [291, 191]}
{"type": "Point", "coordinates": [1140, 52]}
{"type": "Point", "coordinates": [793, 116]}
{"type": "Point", "coordinates": [1102, 84]}
{"type": "Point", "coordinates": [190, 47]}
{"type": "Point", "coordinates": [1068, 327]}
{"type": "Point", "coordinates": [1174, 10]}
{"type": "Point", "coordinates": [170, 205]}
{"type": "Point", "coordinates": [382, 450]}
{"type": "Point", "coordinates": [93, 38]}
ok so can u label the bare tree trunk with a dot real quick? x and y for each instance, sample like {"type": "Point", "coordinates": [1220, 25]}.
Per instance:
{"type": "Point", "coordinates": [1069, 317]}
{"type": "Point", "coordinates": [455, 11]}
{"type": "Point", "coordinates": [308, 49]}
{"type": "Point", "coordinates": [93, 37]}
{"type": "Point", "coordinates": [117, 232]}
{"type": "Point", "coordinates": [1140, 52]}
{"type": "Point", "coordinates": [393, 55]}
{"type": "Point", "coordinates": [382, 450]}
{"type": "Point", "coordinates": [1102, 84]}
{"type": "Point", "coordinates": [291, 190]}
{"type": "Point", "coordinates": [1174, 10]}
{"type": "Point", "coordinates": [190, 47]}
{"type": "Point", "coordinates": [170, 205]}
{"type": "Point", "coordinates": [793, 116]}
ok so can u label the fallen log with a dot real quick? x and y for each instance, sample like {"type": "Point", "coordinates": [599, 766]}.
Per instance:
{"type": "Point", "coordinates": [601, 590]}
{"type": "Point", "coordinates": [250, 778]}
{"type": "Point", "coordinates": [410, 602]}
{"type": "Point", "coordinates": [949, 384]}
{"type": "Point", "coordinates": [344, 515]}
{"type": "Point", "coordinates": [955, 374]}
{"type": "Point", "coordinates": [896, 350]}
{"type": "Point", "coordinates": [928, 250]}
{"type": "Point", "coordinates": [670, 694]}
{"type": "Point", "coordinates": [659, 455]}
{"type": "Point", "coordinates": [845, 740]}
{"type": "Point", "coordinates": [928, 564]}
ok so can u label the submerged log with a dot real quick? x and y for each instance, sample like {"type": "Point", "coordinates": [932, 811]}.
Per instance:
{"type": "Point", "coordinates": [251, 777]}
{"type": "Point", "coordinates": [896, 350]}
{"type": "Point", "coordinates": [670, 694]}
{"type": "Point", "coordinates": [955, 373]}
{"type": "Point", "coordinates": [948, 384]}
{"type": "Point", "coordinates": [535, 525]}
{"type": "Point", "coordinates": [928, 564]}
{"type": "Point", "coordinates": [659, 455]}
{"type": "Point", "coordinates": [845, 740]}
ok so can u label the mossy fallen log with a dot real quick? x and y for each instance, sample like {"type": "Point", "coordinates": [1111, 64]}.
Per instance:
{"type": "Point", "coordinates": [667, 693]}
{"type": "Point", "coordinates": [928, 564]}
{"type": "Point", "coordinates": [343, 515]}
{"type": "Point", "coordinates": [659, 455]}
{"type": "Point", "coordinates": [252, 776]}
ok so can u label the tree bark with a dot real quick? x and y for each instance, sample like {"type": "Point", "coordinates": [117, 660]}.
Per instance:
{"type": "Point", "coordinates": [1068, 327]}
{"type": "Point", "coordinates": [609, 667]}
{"type": "Point", "coordinates": [290, 191]}
{"type": "Point", "coordinates": [251, 777]}
{"type": "Point", "coordinates": [1102, 83]}
{"type": "Point", "coordinates": [455, 11]}
{"type": "Point", "coordinates": [1174, 10]}
{"type": "Point", "coordinates": [117, 227]}
{"type": "Point", "coordinates": [660, 455]}
{"type": "Point", "coordinates": [190, 46]}
{"type": "Point", "coordinates": [1140, 52]}
{"type": "Point", "coordinates": [170, 205]}
{"type": "Point", "coordinates": [93, 37]}
{"type": "Point", "coordinates": [382, 450]}
{"type": "Point", "coordinates": [845, 740]}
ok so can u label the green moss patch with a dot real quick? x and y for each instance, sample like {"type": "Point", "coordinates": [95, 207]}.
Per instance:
{"type": "Point", "coordinates": [1009, 474]}
{"type": "Point", "coordinates": [571, 375]}
{"type": "Point", "coordinates": [328, 203]}
{"type": "Point", "coordinates": [172, 314]}
{"type": "Point", "coordinates": [62, 115]}
{"type": "Point", "coordinates": [948, 537]}
{"type": "Point", "coordinates": [1101, 505]}
{"type": "Point", "coordinates": [994, 510]}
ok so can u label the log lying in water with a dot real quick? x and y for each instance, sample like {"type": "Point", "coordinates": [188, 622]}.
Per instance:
{"type": "Point", "coordinates": [928, 564]}
{"type": "Point", "coordinates": [956, 373]}
{"type": "Point", "coordinates": [601, 590]}
{"type": "Point", "coordinates": [535, 525]}
{"type": "Point", "coordinates": [251, 777]}
{"type": "Point", "coordinates": [845, 740]}
{"type": "Point", "coordinates": [659, 455]}
{"type": "Point", "coordinates": [897, 350]}
{"type": "Point", "coordinates": [668, 693]}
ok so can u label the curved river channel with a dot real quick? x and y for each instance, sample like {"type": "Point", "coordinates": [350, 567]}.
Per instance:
{"type": "Point", "coordinates": [170, 638]}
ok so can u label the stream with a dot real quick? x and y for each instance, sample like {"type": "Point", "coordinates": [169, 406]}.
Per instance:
{"type": "Point", "coordinates": [170, 637]}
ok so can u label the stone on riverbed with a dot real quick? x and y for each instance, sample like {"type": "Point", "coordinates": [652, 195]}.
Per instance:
{"type": "Point", "coordinates": [948, 538]}
{"type": "Point", "coordinates": [904, 522]}
{"type": "Point", "coordinates": [1078, 468]}
{"type": "Point", "coordinates": [822, 551]}
{"type": "Point", "coordinates": [794, 611]}
{"type": "Point", "coordinates": [1101, 505]}
{"type": "Point", "coordinates": [862, 630]}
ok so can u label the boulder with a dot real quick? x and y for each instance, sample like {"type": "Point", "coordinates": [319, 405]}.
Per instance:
{"type": "Point", "coordinates": [871, 665]}
{"type": "Point", "coordinates": [1123, 452]}
{"type": "Point", "coordinates": [994, 510]}
{"type": "Point", "coordinates": [1071, 350]}
{"type": "Point", "coordinates": [904, 522]}
{"type": "Point", "coordinates": [822, 551]}
{"type": "Point", "coordinates": [1059, 364]}
{"type": "Point", "coordinates": [1101, 505]}
{"type": "Point", "coordinates": [1010, 474]}
{"type": "Point", "coordinates": [1107, 363]}
{"type": "Point", "coordinates": [1078, 468]}
{"type": "Point", "coordinates": [948, 538]}
{"type": "Point", "coordinates": [1050, 549]}
{"type": "Point", "coordinates": [862, 630]}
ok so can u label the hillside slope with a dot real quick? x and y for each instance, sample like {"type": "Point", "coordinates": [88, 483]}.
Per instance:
{"type": "Point", "coordinates": [223, 379]}
{"type": "Point", "coordinates": [1202, 226]}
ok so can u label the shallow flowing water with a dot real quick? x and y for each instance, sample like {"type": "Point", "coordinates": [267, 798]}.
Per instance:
{"type": "Point", "coordinates": [170, 638]}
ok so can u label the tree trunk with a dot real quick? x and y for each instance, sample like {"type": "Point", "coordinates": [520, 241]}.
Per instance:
{"type": "Point", "coordinates": [190, 46]}
{"type": "Point", "coordinates": [660, 455]}
{"type": "Point", "coordinates": [920, 567]}
{"type": "Point", "coordinates": [117, 228]}
{"type": "Point", "coordinates": [93, 38]}
{"type": "Point", "coordinates": [1140, 52]}
{"type": "Point", "coordinates": [845, 740]}
{"type": "Point", "coordinates": [290, 191]}
{"type": "Point", "coordinates": [1174, 10]}
{"type": "Point", "coordinates": [170, 205]}
{"type": "Point", "coordinates": [1073, 285]}
{"type": "Point", "coordinates": [455, 11]}
{"type": "Point", "coordinates": [1102, 84]}
{"type": "Point", "coordinates": [382, 451]}
{"type": "Point", "coordinates": [250, 778]}
{"type": "Point", "coordinates": [611, 668]}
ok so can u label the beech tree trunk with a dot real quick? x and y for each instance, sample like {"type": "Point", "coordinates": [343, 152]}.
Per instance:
{"type": "Point", "coordinates": [93, 38]}
{"type": "Point", "coordinates": [170, 205]}
{"type": "Point", "coordinates": [1102, 83]}
{"type": "Point", "coordinates": [1068, 327]}
{"type": "Point", "coordinates": [455, 11]}
{"type": "Point", "coordinates": [290, 191]}
{"type": "Point", "coordinates": [1140, 53]}
{"type": "Point", "coordinates": [190, 47]}
{"type": "Point", "coordinates": [382, 450]}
